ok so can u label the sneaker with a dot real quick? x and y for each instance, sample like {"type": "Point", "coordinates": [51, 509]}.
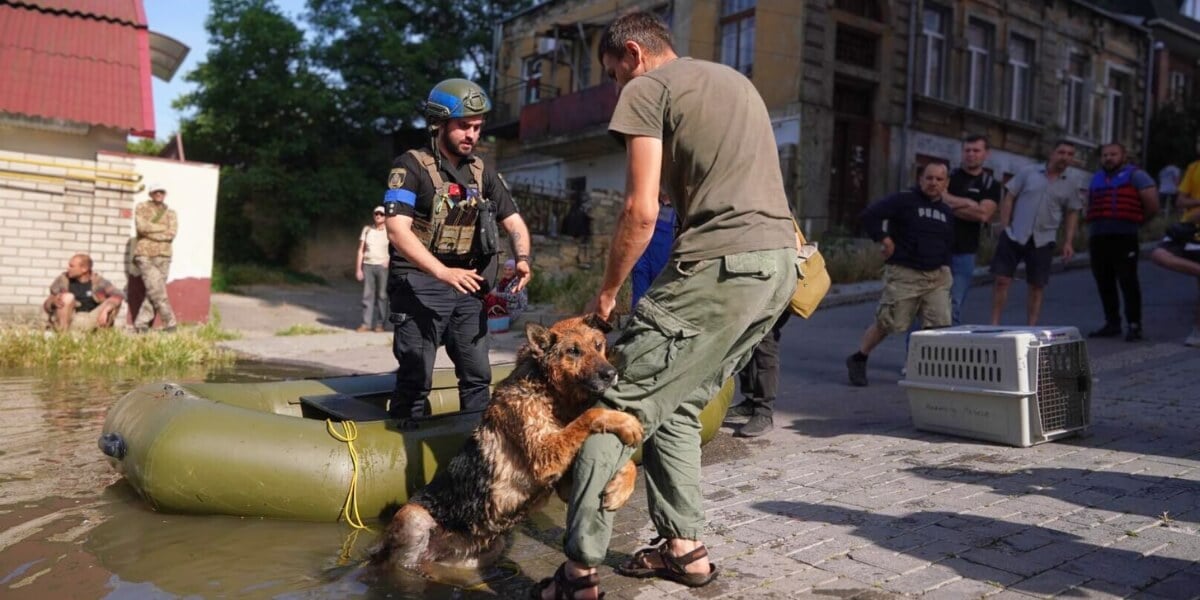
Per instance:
{"type": "Point", "coordinates": [1193, 340]}
{"type": "Point", "coordinates": [857, 370]}
{"type": "Point", "coordinates": [169, 329]}
{"type": "Point", "coordinates": [745, 408]}
{"type": "Point", "coordinates": [756, 426]}
{"type": "Point", "coordinates": [1134, 333]}
{"type": "Point", "coordinates": [1109, 330]}
{"type": "Point", "coordinates": [362, 329]}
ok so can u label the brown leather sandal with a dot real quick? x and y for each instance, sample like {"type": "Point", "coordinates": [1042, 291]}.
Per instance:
{"type": "Point", "coordinates": [674, 567]}
{"type": "Point", "coordinates": [565, 587]}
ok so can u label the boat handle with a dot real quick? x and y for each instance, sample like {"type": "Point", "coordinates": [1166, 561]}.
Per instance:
{"type": "Point", "coordinates": [112, 444]}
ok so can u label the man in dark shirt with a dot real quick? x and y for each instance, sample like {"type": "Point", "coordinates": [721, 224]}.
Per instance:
{"type": "Point", "coordinates": [917, 243]}
{"type": "Point", "coordinates": [442, 209]}
{"type": "Point", "coordinates": [82, 300]}
{"type": "Point", "coordinates": [973, 195]}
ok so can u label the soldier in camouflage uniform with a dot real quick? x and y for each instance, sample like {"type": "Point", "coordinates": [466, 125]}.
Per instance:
{"type": "Point", "coordinates": [156, 228]}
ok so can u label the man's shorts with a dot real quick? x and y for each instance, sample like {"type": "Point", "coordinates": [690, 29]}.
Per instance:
{"type": "Point", "coordinates": [908, 293]}
{"type": "Point", "coordinates": [1188, 250]}
{"type": "Point", "coordinates": [83, 321]}
{"type": "Point", "coordinates": [1037, 259]}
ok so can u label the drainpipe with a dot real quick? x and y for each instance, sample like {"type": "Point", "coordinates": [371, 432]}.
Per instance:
{"type": "Point", "coordinates": [495, 57]}
{"type": "Point", "coordinates": [901, 169]}
{"type": "Point", "coordinates": [1152, 46]}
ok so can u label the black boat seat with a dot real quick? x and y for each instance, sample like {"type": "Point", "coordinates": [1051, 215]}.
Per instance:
{"type": "Point", "coordinates": [340, 407]}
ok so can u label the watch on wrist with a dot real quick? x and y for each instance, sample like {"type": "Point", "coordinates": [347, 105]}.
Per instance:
{"type": "Point", "coordinates": [524, 257]}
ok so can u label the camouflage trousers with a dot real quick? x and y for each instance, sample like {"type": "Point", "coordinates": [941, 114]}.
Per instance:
{"type": "Point", "coordinates": [155, 270]}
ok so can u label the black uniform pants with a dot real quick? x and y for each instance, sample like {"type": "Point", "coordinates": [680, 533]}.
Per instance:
{"type": "Point", "coordinates": [1114, 263]}
{"type": "Point", "coordinates": [427, 313]}
{"type": "Point", "coordinates": [759, 379]}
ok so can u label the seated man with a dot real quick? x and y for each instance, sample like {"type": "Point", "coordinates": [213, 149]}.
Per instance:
{"type": "Point", "coordinates": [81, 300]}
{"type": "Point", "coordinates": [1180, 250]}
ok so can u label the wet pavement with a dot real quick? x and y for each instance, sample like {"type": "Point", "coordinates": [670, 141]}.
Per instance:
{"type": "Point", "coordinates": [843, 499]}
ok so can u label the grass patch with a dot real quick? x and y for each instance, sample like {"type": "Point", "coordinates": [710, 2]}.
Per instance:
{"type": "Point", "coordinates": [304, 329]}
{"type": "Point", "coordinates": [227, 277]}
{"type": "Point", "coordinates": [32, 346]}
{"type": "Point", "coordinates": [571, 292]}
{"type": "Point", "coordinates": [850, 260]}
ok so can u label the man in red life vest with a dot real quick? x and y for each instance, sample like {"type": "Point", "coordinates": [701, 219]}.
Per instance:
{"type": "Point", "coordinates": [1120, 198]}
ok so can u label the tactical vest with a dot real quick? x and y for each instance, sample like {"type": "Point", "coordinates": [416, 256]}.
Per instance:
{"type": "Point", "coordinates": [1114, 197]}
{"type": "Point", "coordinates": [455, 213]}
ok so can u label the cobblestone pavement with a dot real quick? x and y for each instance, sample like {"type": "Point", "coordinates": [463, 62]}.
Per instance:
{"type": "Point", "coordinates": [846, 499]}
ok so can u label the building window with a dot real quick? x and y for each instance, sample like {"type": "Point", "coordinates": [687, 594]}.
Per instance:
{"type": "Point", "coordinates": [1179, 88]}
{"type": "Point", "coordinates": [737, 34]}
{"type": "Point", "coordinates": [1020, 57]}
{"type": "Point", "coordinates": [855, 47]}
{"type": "Point", "coordinates": [979, 64]}
{"type": "Point", "coordinates": [531, 74]}
{"type": "Point", "coordinates": [1078, 71]}
{"type": "Point", "coordinates": [931, 52]}
{"type": "Point", "coordinates": [1117, 105]}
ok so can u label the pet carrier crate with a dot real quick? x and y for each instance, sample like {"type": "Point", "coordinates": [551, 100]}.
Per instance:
{"type": "Point", "coordinates": [1014, 385]}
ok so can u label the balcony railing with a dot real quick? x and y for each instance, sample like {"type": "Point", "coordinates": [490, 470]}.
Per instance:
{"type": "Point", "coordinates": [509, 98]}
{"type": "Point", "coordinates": [568, 114]}
{"type": "Point", "coordinates": [543, 209]}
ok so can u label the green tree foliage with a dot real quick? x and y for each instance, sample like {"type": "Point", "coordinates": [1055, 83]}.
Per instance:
{"type": "Point", "coordinates": [387, 55]}
{"type": "Point", "coordinates": [145, 146]}
{"type": "Point", "coordinates": [1174, 131]}
{"type": "Point", "coordinates": [267, 117]}
{"type": "Point", "coordinates": [303, 131]}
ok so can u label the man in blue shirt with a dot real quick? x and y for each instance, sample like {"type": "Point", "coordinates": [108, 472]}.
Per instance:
{"type": "Point", "coordinates": [917, 242]}
{"type": "Point", "coordinates": [1120, 198]}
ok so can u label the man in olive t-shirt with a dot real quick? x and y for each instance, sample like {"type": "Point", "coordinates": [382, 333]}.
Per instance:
{"type": "Point", "coordinates": [703, 129]}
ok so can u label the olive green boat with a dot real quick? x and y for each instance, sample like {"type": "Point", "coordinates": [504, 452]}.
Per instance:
{"type": "Point", "coordinates": [278, 449]}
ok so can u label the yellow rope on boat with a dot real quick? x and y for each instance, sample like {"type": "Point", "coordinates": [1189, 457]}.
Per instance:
{"type": "Point", "coordinates": [348, 435]}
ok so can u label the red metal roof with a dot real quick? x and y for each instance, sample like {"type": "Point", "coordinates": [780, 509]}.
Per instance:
{"type": "Point", "coordinates": [86, 61]}
{"type": "Point", "coordinates": [125, 11]}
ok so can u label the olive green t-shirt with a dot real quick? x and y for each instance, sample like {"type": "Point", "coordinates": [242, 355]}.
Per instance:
{"type": "Point", "coordinates": [720, 166]}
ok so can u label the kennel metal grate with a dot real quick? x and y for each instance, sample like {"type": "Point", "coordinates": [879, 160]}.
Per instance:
{"type": "Point", "coordinates": [1063, 382]}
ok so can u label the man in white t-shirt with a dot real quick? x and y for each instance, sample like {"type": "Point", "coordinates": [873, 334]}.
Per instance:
{"type": "Point", "coordinates": [371, 268]}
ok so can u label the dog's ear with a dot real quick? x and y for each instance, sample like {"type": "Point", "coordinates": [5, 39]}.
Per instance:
{"type": "Point", "coordinates": [540, 339]}
{"type": "Point", "coordinates": [594, 321]}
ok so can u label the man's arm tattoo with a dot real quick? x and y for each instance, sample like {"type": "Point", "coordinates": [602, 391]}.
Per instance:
{"type": "Point", "coordinates": [519, 246]}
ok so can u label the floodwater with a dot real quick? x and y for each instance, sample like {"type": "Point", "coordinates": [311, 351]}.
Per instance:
{"type": "Point", "coordinates": [71, 528]}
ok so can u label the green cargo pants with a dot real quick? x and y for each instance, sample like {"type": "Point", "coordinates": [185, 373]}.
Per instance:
{"type": "Point", "coordinates": [694, 328]}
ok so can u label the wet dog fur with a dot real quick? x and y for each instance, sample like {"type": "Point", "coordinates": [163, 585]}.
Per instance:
{"type": "Point", "coordinates": [527, 438]}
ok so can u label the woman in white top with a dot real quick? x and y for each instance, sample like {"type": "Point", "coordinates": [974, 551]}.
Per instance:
{"type": "Point", "coordinates": [371, 268]}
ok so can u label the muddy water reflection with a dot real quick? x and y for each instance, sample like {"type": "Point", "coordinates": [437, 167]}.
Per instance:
{"type": "Point", "coordinates": [71, 528]}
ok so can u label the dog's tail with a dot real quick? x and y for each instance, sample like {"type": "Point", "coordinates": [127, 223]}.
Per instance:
{"type": "Point", "coordinates": [406, 540]}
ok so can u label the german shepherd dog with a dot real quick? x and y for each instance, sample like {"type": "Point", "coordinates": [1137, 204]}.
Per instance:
{"type": "Point", "coordinates": [529, 434]}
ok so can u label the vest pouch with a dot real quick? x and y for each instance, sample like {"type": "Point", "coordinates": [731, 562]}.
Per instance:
{"type": "Point", "coordinates": [489, 232]}
{"type": "Point", "coordinates": [425, 231]}
{"type": "Point", "coordinates": [455, 240]}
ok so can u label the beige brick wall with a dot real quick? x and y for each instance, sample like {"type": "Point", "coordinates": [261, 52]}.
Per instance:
{"type": "Point", "coordinates": [54, 207]}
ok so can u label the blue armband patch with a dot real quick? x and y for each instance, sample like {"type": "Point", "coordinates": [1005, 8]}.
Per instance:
{"type": "Point", "coordinates": [400, 196]}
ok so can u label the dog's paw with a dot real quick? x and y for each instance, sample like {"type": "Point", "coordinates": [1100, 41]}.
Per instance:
{"type": "Point", "coordinates": [620, 488]}
{"type": "Point", "coordinates": [624, 425]}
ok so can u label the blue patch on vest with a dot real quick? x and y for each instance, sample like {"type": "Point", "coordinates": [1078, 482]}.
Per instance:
{"type": "Point", "coordinates": [400, 195]}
